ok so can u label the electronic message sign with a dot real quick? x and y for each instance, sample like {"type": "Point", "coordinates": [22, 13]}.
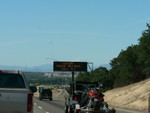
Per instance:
{"type": "Point", "coordinates": [70, 66]}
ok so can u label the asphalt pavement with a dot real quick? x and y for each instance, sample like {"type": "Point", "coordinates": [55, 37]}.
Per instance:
{"type": "Point", "coordinates": [46, 106]}
{"type": "Point", "coordinates": [57, 106]}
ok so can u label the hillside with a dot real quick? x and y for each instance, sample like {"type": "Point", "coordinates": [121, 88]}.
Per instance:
{"type": "Point", "coordinates": [134, 96]}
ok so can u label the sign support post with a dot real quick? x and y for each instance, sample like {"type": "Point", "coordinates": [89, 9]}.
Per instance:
{"type": "Point", "coordinates": [73, 81]}
{"type": "Point", "coordinates": [72, 76]}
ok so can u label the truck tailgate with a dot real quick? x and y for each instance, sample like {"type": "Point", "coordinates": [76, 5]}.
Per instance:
{"type": "Point", "coordinates": [13, 100]}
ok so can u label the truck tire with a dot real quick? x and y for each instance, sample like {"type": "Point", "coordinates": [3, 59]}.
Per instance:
{"type": "Point", "coordinates": [40, 98]}
{"type": "Point", "coordinates": [50, 99]}
{"type": "Point", "coordinates": [70, 110]}
{"type": "Point", "coordinates": [66, 109]}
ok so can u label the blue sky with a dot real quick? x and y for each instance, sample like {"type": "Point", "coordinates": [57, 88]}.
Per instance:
{"type": "Point", "coordinates": [69, 30]}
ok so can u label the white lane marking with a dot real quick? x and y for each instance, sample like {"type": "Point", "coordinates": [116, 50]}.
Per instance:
{"type": "Point", "coordinates": [40, 107]}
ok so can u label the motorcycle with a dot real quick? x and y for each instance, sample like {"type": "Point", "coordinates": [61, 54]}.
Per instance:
{"type": "Point", "coordinates": [96, 99]}
{"type": "Point", "coordinates": [93, 100]}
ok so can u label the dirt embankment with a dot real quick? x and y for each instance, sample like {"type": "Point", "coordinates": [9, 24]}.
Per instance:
{"type": "Point", "coordinates": [134, 96]}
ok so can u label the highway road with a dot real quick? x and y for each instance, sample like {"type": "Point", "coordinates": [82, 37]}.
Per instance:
{"type": "Point", "coordinates": [46, 106]}
{"type": "Point", "coordinates": [57, 106]}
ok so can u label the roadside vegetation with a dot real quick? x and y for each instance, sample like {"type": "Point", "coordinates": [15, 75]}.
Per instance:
{"type": "Point", "coordinates": [39, 78]}
{"type": "Point", "coordinates": [130, 66]}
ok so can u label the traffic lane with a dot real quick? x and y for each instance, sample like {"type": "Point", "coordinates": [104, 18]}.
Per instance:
{"type": "Point", "coordinates": [38, 109]}
{"type": "Point", "coordinates": [46, 106]}
{"type": "Point", "coordinates": [56, 106]}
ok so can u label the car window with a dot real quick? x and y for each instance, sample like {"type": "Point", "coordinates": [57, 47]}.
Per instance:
{"type": "Point", "coordinates": [11, 81]}
{"type": "Point", "coordinates": [46, 91]}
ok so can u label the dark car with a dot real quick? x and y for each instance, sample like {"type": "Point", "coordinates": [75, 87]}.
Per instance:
{"type": "Point", "coordinates": [45, 94]}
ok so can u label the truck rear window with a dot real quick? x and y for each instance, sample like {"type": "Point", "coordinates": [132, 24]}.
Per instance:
{"type": "Point", "coordinates": [11, 81]}
{"type": "Point", "coordinates": [46, 91]}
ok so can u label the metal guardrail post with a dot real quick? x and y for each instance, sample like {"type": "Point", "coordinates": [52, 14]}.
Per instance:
{"type": "Point", "coordinates": [149, 102]}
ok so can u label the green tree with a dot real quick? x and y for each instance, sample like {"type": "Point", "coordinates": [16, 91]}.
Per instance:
{"type": "Point", "coordinates": [144, 54]}
{"type": "Point", "coordinates": [84, 76]}
{"type": "Point", "coordinates": [126, 67]}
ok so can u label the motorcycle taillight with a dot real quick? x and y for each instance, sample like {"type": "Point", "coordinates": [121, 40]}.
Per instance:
{"type": "Point", "coordinates": [96, 96]}
{"type": "Point", "coordinates": [101, 99]}
{"type": "Point", "coordinates": [75, 99]}
{"type": "Point", "coordinates": [77, 110]}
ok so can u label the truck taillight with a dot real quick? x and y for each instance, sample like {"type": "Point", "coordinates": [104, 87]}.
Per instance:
{"type": "Point", "coordinates": [1, 71]}
{"type": "Point", "coordinates": [30, 103]}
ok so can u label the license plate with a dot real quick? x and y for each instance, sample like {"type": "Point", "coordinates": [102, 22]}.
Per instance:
{"type": "Point", "coordinates": [95, 99]}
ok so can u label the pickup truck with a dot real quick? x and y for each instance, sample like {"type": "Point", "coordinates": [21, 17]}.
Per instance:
{"type": "Point", "coordinates": [15, 94]}
{"type": "Point", "coordinates": [45, 93]}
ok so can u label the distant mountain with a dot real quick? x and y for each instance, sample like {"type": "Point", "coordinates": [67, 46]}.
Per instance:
{"type": "Point", "coordinates": [108, 66]}
{"type": "Point", "coordinates": [40, 68]}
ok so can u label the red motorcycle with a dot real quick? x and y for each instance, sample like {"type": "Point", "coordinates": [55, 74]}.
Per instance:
{"type": "Point", "coordinates": [96, 101]}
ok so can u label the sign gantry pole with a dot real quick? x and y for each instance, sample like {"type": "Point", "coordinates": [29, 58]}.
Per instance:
{"type": "Point", "coordinates": [72, 76]}
{"type": "Point", "coordinates": [70, 67]}
{"type": "Point", "coordinates": [73, 81]}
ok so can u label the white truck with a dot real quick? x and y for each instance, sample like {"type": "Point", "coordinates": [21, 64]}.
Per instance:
{"type": "Point", "coordinates": [15, 94]}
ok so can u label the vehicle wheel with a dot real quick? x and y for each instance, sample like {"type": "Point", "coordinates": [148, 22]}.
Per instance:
{"type": "Point", "coordinates": [50, 99]}
{"type": "Point", "coordinates": [66, 109]}
{"type": "Point", "coordinates": [40, 98]}
{"type": "Point", "coordinates": [105, 104]}
{"type": "Point", "coordinates": [70, 110]}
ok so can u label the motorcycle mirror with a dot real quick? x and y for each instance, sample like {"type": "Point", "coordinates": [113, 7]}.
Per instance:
{"type": "Point", "coordinates": [100, 85]}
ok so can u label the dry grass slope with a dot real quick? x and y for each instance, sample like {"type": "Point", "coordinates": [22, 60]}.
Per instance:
{"type": "Point", "coordinates": [134, 96]}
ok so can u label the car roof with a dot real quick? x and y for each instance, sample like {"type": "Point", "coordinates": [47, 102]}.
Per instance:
{"type": "Point", "coordinates": [46, 89]}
